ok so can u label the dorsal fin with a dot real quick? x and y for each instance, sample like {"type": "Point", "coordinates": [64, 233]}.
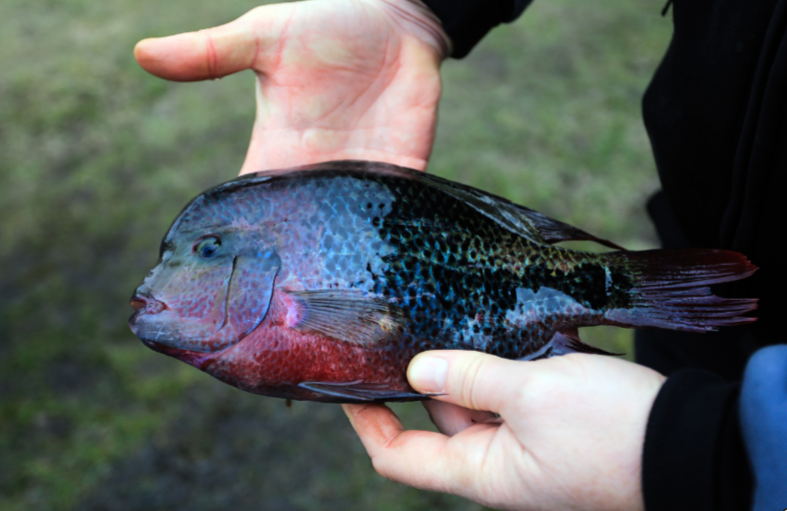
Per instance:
{"type": "Point", "coordinates": [348, 315]}
{"type": "Point", "coordinates": [555, 231]}
{"type": "Point", "coordinates": [524, 221]}
{"type": "Point", "coordinates": [521, 220]}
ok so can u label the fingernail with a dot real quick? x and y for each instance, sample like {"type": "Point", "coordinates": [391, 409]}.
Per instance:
{"type": "Point", "coordinates": [427, 374]}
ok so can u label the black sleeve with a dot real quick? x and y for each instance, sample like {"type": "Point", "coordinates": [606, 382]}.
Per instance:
{"type": "Point", "coordinates": [694, 458]}
{"type": "Point", "coordinates": [467, 21]}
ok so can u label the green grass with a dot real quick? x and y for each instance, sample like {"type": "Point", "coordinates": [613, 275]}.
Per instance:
{"type": "Point", "coordinates": [97, 157]}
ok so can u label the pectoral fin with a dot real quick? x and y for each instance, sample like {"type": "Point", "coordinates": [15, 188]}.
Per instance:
{"type": "Point", "coordinates": [349, 316]}
{"type": "Point", "coordinates": [356, 391]}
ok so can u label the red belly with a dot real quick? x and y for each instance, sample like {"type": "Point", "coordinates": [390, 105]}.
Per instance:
{"type": "Point", "coordinates": [275, 358]}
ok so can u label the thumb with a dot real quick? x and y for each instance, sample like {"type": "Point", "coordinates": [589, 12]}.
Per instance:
{"type": "Point", "coordinates": [468, 378]}
{"type": "Point", "coordinates": [202, 55]}
{"type": "Point", "coordinates": [213, 52]}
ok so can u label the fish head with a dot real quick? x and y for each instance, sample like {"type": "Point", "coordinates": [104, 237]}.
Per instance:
{"type": "Point", "coordinates": [212, 284]}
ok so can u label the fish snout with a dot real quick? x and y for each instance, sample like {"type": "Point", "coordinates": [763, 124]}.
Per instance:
{"type": "Point", "coordinates": [144, 303]}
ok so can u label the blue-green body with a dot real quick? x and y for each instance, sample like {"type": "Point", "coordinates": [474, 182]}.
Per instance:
{"type": "Point", "coordinates": [322, 282]}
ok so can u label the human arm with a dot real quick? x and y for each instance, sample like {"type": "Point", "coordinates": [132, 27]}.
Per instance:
{"type": "Point", "coordinates": [570, 433]}
{"type": "Point", "coordinates": [694, 456]}
{"type": "Point", "coordinates": [467, 21]}
{"type": "Point", "coordinates": [717, 445]}
{"type": "Point", "coordinates": [763, 413]}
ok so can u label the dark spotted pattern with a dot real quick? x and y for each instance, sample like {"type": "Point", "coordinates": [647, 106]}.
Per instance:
{"type": "Point", "coordinates": [457, 273]}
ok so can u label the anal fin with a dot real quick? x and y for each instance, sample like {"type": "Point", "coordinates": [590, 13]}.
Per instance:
{"type": "Point", "coordinates": [568, 341]}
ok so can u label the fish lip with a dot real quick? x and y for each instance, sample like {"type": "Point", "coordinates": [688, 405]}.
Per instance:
{"type": "Point", "coordinates": [136, 303]}
{"type": "Point", "coordinates": [143, 310]}
{"type": "Point", "coordinates": [142, 302]}
{"type": "Point", "coordinates": [132, 320]}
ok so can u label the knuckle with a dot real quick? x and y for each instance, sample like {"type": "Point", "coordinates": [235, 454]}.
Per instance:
{"type": "Point", "coordinates": [524, 385]}
{"type": "Point", "coordinates": [574, 366]}
{"type": "Point", "coordinates": [470, 379]}
{"type": "Point", "coordinates": [564, 376]}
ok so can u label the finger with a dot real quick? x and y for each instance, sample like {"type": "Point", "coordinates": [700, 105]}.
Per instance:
{"type": "Point", "coordinates": [202, 55]}
{"type": "Point", "coordinates": [471, 379]}
{"type": "Point", "coordinates": [391, 447]}
{"type": "Point", "coordinates": [375, 424]}
{"type": "Point", "coordinates": [422, 459]}
{"type": "Point", "coordinates": [213, 52]}
{"type": "Point", "coordinates": [451, 419]}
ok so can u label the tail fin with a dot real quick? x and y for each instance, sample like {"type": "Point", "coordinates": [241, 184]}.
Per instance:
{"type": "Point", "coordinates": [671, 290]}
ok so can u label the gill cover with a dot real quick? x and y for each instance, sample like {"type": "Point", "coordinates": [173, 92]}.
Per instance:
{"type": "Point", "coordinates": [248, 297]}
{"type": "Point", "coordinates": [250, 289]}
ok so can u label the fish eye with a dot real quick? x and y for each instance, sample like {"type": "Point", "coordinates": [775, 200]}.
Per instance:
{"type": "Point", "coordinates": [207, 247]}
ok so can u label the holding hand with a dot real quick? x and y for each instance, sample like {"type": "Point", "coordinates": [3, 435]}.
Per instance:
{"type": "Point", "coordinates": [569, 436]}
{"type": "Point", "coordinates": [359, 79]}
{"type": "Point", "coordinates": [336, 79]}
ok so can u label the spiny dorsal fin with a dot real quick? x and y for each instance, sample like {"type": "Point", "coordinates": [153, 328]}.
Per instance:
{"type": "Point", "coordinates": [349, 316]}
{"type": "Point", "coordinates": [554, 231]}
{"type": "Point", "coordinates": [521, 220]}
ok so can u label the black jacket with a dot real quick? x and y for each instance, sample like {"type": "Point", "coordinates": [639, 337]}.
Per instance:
{"type": "Point", "coordinates": [715, 114]}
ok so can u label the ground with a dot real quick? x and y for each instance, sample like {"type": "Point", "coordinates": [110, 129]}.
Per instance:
{"type": "Point", "coordinates": [97, 157]}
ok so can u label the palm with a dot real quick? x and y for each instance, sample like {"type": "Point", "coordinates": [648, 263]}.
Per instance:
{"type": "Point", "coordinates": [564, 425]}
{"type": "Point", "coordinates": [336, 79]}
{"type": "Point", "coordinates": [509, 464]}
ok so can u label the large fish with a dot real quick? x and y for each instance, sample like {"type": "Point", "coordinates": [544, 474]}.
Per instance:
{"type": "Point", "coordinates": [322, 282]}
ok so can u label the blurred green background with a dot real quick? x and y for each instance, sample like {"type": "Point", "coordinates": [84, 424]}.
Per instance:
{"type": "Point", "coordinates": [97, 157]}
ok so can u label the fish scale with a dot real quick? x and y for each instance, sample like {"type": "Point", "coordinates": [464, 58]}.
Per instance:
{"type": "Point", "coordinates": [477, 284]}
{"type": "Point", "coordinates": [323, 282]}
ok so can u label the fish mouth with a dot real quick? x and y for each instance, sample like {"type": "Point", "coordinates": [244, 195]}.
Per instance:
{"type": "Point", "coordinates": [161, 328]}
{"type": "Point", "coordinates": [146, 303]}
{"type": "Point", "coordinates": [149, 323]}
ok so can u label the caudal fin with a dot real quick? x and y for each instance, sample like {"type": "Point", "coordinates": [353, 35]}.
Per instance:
{"type": "Point", "coordinates": [671, 289]}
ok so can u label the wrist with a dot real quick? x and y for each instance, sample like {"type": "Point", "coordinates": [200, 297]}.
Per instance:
{"type": "Point", "coordinates": [415, 18]}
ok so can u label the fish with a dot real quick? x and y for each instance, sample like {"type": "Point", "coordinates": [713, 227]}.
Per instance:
{"type": "Point", "coordinates": [322, 282]}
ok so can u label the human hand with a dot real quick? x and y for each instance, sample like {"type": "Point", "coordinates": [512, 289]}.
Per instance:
{"type": "Point", "coordinates": [569, 436]}
{"type": "Point", "coordinates": [336, 79]}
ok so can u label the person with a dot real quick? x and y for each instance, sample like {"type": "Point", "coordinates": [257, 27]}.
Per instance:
{"type": "Point", "coordinates": [360, 79]}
